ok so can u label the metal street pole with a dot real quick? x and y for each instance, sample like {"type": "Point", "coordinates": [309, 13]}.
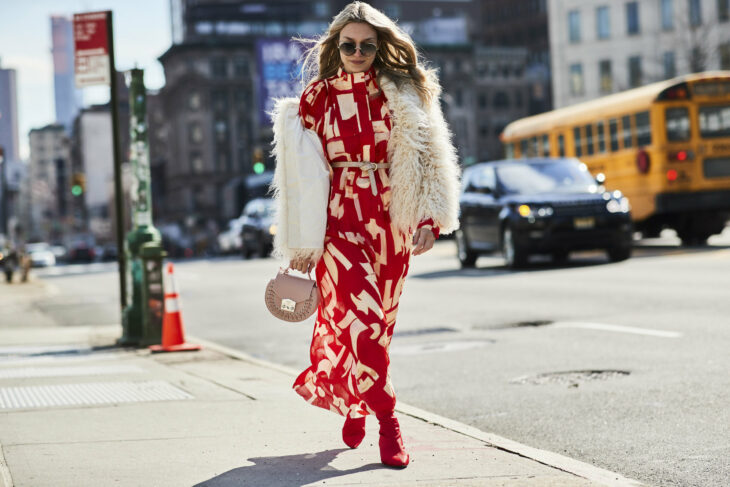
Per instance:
{"type": "Point", "coordinates": [118, 189]}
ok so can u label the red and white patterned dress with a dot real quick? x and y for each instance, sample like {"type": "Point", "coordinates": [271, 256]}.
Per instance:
{"type": "Point", "coordinates": [365, 260]}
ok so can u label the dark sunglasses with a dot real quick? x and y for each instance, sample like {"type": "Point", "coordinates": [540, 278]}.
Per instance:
{"type": "Point", "coordinates": [349, 48]}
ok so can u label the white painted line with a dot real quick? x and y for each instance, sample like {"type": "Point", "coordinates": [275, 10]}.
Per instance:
{"type": "Point", "coordinates": [560, 462]}
{"type": "Point", "coordinates": [618, 329]}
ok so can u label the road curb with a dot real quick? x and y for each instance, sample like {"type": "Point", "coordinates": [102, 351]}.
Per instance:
{"type": "Point", "coordinates": [548, 458]}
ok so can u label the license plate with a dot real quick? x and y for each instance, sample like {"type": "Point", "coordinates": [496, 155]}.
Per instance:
{"type": "Point", "coordinates": [585, 222]}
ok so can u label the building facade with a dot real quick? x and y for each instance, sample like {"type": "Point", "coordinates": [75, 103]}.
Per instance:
{"type": "Point", "coordinates": [9, 113]}
{"type": "Point", "coordinates": [600, 47]}
{"type": "Point", "coordinates": [50, 201]}
{"type": "Point", "coordinates": [67, 98]}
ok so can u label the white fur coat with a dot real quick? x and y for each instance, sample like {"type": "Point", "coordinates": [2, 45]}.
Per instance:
{"type": "Point", "coordinates": [424, 172]}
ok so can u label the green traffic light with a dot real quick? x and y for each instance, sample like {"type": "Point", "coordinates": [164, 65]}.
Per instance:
{"type": "Point", "coordinates": [258, 167]}
{"type": "Point", "coordinates": [76, 190]}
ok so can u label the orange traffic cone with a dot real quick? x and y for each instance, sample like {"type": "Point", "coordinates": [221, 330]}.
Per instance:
{"type": "Point", "coordinates": [173, 335]}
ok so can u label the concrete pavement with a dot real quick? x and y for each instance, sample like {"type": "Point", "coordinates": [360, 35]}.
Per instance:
{"type": "Point", "coordinates": [77, 411]}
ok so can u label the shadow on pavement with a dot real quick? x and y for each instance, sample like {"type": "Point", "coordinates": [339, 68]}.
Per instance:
{"type": "Point", "coordinates": [286, 471]}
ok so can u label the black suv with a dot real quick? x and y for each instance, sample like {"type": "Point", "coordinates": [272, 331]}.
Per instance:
{"type": "Point", "coordinates": [539, 206]}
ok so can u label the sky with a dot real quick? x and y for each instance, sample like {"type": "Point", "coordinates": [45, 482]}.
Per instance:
{"type": "Point", "coordinates": [141, 30]}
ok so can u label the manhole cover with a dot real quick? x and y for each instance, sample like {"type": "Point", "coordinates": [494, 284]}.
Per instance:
{"type": "Point", "coordinates": [570, 378]}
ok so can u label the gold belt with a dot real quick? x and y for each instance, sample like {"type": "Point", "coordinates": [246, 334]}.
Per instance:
{"type": "Point", "coordinates": [370, 167]}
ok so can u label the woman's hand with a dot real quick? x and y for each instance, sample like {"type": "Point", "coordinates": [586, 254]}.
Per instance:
{"type": "Point", "coordinates": [423, 241]}
{"type": "Point", "coordinates": [303, 265]}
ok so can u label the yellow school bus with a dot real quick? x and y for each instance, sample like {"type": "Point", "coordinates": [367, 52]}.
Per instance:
{"type": "Point", "coordinates": [666, 146]}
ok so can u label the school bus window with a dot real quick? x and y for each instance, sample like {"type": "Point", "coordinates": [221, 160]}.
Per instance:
{"type": "Point", "coordinates": [677, 124]}
{"type": "Point", "coordinates": [589, 140]}
{"type": "Point", "coordinates": [715, 121]}
{"type": "Point", "coordinates": [561, 145]}
{"type": "Point", "coordinates": [545, 145]}
{"type": "Point", "coordinates": [643, 129]}
{"type": "Point", "coordinates": [523, 148]}
{"type": "Point", "coordinates": [577, 142]}
{"type": "Point", "coordinates": [533, 147]}
{"type": "Point", "coordinates": [613, 133]}
{"type": "Point", "coordinates": [509, 151]}
{"type": "Point", "coordinates": [626, 129]}
{"type": "Point", "coordinates": [601, 133]}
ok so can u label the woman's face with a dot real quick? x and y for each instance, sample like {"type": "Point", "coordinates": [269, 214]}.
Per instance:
{"type": "Point", "coordinates": [360, 35]}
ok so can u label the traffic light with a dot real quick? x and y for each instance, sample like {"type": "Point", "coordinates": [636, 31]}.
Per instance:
{"type": "Point", "coordinates": [78, 184]}
{"type": "Point", "coordinates": [258, 161]}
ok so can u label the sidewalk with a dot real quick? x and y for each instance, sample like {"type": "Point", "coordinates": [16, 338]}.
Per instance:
{"type": "Point", "coordinates": [77, 411]}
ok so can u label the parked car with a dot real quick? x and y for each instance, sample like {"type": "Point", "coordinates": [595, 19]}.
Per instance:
{"type": "Point", "coordinates": [229, 240]}
{"type": "Point", "coordinates": [108, 253]}
{"type": "Point", "coordinates": [41, 254]}
{"type": "Point", "coordinates": [539, 206]}
{"type": "Point", "coordinates": [257, 228]}
{"type": "Point", "coordinates": [81, 252]}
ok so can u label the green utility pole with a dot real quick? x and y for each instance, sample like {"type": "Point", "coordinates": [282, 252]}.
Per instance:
{"type": "Point", "coordinates": [142, 319]}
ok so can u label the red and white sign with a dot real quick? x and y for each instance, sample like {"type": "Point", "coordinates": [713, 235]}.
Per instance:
{"type": "Point", "coordinates": [91, 49]}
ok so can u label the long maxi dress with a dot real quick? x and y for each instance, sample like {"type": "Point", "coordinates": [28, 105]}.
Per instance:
{"type": "Point", "coordinates": [365, 260]}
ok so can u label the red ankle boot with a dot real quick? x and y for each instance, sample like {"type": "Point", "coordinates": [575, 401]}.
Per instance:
{"type": "Point", "coordinates": [353, 431]}
{"type": "Point", "coordinates": [392, 451]}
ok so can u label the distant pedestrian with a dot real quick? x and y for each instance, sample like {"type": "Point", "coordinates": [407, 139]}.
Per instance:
{"type": "Point", "coordinates": [391, 185]}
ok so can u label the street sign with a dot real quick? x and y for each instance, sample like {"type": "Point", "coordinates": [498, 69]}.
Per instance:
{"type": "Point", "coordinates": [91, 49]}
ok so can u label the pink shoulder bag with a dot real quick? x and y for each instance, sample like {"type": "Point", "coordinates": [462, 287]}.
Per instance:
{"type": "Point", "coordinates": [291, 298]}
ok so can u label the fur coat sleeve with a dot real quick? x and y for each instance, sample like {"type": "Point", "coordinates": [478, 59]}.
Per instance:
{"type": "Point", "coordinates": [301, 185]}
{"type": "Point", "coordinates": [424, 174]}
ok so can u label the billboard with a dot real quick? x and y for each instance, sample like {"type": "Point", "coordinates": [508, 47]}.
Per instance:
{"type": "Point", "coordinates": [280, 67]}
{"type": "Point", "coordinates": [91, 49]}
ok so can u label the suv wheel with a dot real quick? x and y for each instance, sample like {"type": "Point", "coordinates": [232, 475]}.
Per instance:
{"type": "Point", "coordinates": [467, 258]}
{"type": "Point", "coordinates": [514, 256]}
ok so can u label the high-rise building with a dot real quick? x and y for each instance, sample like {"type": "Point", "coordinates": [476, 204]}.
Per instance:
{"type": "Point", "coordinates": [9, 113]}
{"type": "Point", "coordinates": [67, 97]}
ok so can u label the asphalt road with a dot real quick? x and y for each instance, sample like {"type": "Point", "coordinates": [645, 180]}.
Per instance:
{"type": "Point", "coordinates": [624, 366]}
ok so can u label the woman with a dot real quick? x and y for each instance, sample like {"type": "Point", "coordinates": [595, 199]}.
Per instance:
{"type": "Point", "coordinates": [391, 188]}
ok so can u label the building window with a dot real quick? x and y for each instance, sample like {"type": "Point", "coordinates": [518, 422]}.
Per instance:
{"type": "Point", "coordinates": [240, 66]}
{"type": "Point", "coordinates": [603, 26]}
{"type": "Point", "coordinates": [667, 14]}
{"type": "Point", "coordinates": [723, 10]}
{"type": "Point", "coordinates": [695, 13]}
{"type": "Point", "coordinates": [613, 133]}
{"type": "Point", "coordinates": [219, 101]}
{"type": "Point", "coordinates": [195, 133]}
{"type": "Point", "coordinates": [574, 25]}
{"type": "Point", "coordinates": [576, 79]}
{"type": "Point", "coordinates": [194, 101]}
{"type": "Point", "coordinates": [518, 99]}
{"type": "Point", "coordinates": [321, 9]}
{"type": "Point", "coordinates": [196, 162]}
{"type": "Point", "coordinates": [604, 68]}
{"type": "Point", "coordinates": [626, 130]}
{"type": "Point", "coordinates": [218, 67]}
{"type": "Point", "coordinates": [483, 130]}
{"type": "Point", "coordinates": [724, 55]}
{"type": "Point", "coordinates": [458, 97]}
{"type": "Point", "coordinates": [670, 65]}
{"type": "Point", "coordinates": [482, 100]}
{"type": "Point", "coordinates": [221, 131]}
{"type": "Point", "coordinates": [632, 18]}
{"type": "Point", "coordinates": [697, 59]}
{"type": "Point", "coordinates": [635, 74]}
{"type": "Point", "coordinates": [501, 100]}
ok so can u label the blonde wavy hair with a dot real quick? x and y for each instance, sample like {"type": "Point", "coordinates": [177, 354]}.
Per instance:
{"type": "Point", "coordinates": [396, 57]}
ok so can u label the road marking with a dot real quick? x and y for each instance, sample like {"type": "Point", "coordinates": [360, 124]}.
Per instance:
{"type": "Point", "coordinates": [618, 329]}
